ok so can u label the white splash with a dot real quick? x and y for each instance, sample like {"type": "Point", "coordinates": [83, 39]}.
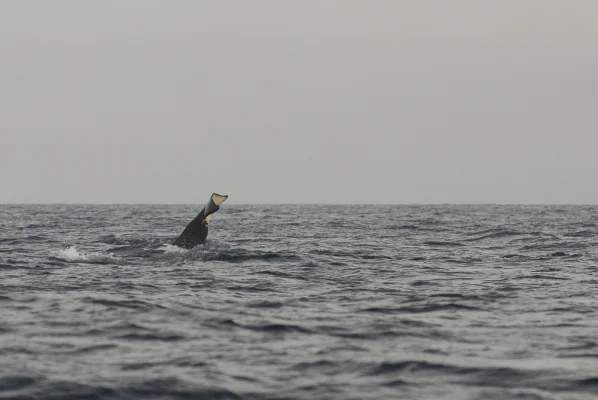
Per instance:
{"type": "Point", "coordinates": [170, 248]}
{"type": "Point", "coordinates": [72, 254]}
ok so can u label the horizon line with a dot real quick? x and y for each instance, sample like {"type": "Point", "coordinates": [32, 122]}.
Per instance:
{"type": "Point", "coordinates": [293, 204]}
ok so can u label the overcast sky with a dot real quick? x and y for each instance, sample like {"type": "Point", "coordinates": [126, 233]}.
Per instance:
{"type": "Point", "coordinates": [320, 101]}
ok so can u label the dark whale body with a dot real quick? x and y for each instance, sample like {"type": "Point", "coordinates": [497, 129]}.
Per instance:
{"type": "Point", "coordinates": [197, 231]}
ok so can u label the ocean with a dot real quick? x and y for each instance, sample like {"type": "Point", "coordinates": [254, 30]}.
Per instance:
{"type": "Point", "coordinates": [299, 302]}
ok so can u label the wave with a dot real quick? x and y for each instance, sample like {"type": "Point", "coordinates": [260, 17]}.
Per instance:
{"type": "Point", "coordinates": [413, 227]}
{"type": "Point", "coordinates": [493, 376]}
{"type": "Point", "coordinates": [584, 233]}
{"type": "Point", "coordinates": [441, 243]}
{"type": "Point", "coordinates": [553, 246]}
{"type": "Point", "coordinates": [424, 308]}
{"type": "Point", "coordinates": [129, 304]}
{"type": "Point", "coordinates": [167, 387]}
{"type": "Point", "coordinates": [273, 328]}
{"type": "Point", "coordinates": [351, 253]}
{"type": "Point", "coordinates": [411, 366]}
{"type": "Point", "coordinates": [497, 233]}
{"type": "Point", "coordinates": [216, 251]}
{"type": "Point", "coordinates": [163, 336]}
{"type": "Point", "coordinates": [128, 240]}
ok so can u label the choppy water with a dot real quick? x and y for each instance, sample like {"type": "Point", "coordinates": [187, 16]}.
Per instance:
{"type": "Point", "coordinates": [299, 302]}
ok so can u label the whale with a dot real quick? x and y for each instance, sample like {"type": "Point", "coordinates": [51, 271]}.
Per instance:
{"type": "Point", "coordinates": [197, 231]}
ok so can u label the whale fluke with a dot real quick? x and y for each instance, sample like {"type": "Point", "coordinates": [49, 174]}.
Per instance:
{"type": "Point", "coordinates": [197, 231]}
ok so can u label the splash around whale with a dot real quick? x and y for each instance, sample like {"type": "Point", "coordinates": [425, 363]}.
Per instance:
{"type": "Point", "coordinates": [197, 231]}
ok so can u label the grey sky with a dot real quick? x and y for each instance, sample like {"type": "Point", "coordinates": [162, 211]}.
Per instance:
{"type": "Point", "coordinates": [299, 101]}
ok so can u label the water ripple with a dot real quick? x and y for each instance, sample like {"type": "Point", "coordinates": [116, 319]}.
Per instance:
{"type": "Point", "coordinates": [299, 302]}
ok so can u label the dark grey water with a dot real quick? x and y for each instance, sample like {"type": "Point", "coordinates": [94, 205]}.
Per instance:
{"type": "Point", "coordinates": [299, 302]}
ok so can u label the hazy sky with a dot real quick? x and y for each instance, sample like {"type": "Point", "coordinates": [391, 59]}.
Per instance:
{"type": "Point", "coordinates": [461, 101]}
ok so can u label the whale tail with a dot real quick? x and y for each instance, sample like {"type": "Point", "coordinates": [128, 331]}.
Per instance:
{"type": "Point", "coordinates": [197, 231]}
{"type": "Point", "coordinates": [213, 205]}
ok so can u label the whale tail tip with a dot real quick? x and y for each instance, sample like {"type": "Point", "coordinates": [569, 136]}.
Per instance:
{"type": "Point", "coordinates": [218, 198]}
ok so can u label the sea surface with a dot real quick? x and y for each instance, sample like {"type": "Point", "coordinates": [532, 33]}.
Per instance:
{"type": "Point", "coordinates": [299, 302]}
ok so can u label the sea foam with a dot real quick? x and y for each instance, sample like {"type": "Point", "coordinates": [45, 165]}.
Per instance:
{"type": "Point", "coordinates": [72, 254]}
